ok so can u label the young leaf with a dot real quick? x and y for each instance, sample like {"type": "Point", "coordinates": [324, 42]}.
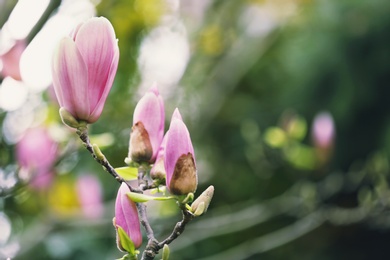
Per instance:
{"type": "Point", "coordinates": [125, 241]}
{"type": "Point", "coordinates": [139, 197]}
{"type": "Point", "coordinates": [127, 173]}
{"type": "Point", "coordinates": [166, 252]}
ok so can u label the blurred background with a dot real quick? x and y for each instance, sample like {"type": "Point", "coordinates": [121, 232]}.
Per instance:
{"type": "Point", "coordinates": [286, 102]}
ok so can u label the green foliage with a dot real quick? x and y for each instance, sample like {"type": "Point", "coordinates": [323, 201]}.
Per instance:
{"type": "Point", "coordinates": [127, 173]}
{"type": "Point", "coordinates": [138, 197]}
{"type": "Point", "coordinates": [125, 241]}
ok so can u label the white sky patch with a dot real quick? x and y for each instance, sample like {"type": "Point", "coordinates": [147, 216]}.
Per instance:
{"type": "Point", "coordinates": [163, 58]}
{"type": "Point", "coordinates": [24, 17]}
{"type": "Point", "coordinates": [13, 94]}
{"type": "Point", "coordinates": [35, 63]}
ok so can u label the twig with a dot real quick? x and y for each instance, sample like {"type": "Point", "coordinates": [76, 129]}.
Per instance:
{"type": "Point", "coordinates": [150, 250]}
{"type": "Point", "coordinates": [83, 134]}
{"type": "Point", "coordinates": [179, 228]}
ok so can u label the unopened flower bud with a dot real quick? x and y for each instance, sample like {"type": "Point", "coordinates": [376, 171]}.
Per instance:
{"type": "Point", "coordinates": [179, 158]}
{"type": "Point", "coordinates": [201, 204]}
{"type": "Point", "coordinates": [148, 127]}
{"type": "Point", "coordinates": [126, 217]}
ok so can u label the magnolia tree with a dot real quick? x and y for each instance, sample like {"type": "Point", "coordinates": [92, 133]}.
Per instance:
{"type": "Point", "coordinates": [84, 67]}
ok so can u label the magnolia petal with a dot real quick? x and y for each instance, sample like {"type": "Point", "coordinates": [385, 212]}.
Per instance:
{"type": "Point", "coordinates": [176, 114]}
{"type": "Point", "coordinates": [111, 76]}
{"type": "Point", "coordinates": [97, 43]}
{"type": "Point", "coordinates": [158, 169]}
{"type": "Point", "coordinates": [70, 79]}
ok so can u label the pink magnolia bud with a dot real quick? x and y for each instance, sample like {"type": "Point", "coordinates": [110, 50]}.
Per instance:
{"type": "Point", "coordinates": [36, 153]}
{"type": "Point", "coordinates": [158, 170]}
{"type": "Point", "coordinates": [84, 67]}
{"type": "Point", "coordinates": [126, 217]}
{"type": "Point", "coordinates": [148, 127]}
{"type": "Point", "coordinates": [179, 158]}
{"type": "Point", "coordinates": [11, 59]}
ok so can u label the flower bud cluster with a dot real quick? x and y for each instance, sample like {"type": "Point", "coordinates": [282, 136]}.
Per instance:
{"type": "Point", "coordinates": [84, 67]}
{"type": "Point", "coordinates": [173, 154]}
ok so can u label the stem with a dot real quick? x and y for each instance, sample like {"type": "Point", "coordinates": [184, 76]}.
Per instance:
{"type": "Point", "coordinates": [179, 228]}
{"type": "Point", "coordinates": [150, 250]}
{"type": "Point", "coordinates": [154, 246]}
{"type": "Point", "coordinates": [83, 134]}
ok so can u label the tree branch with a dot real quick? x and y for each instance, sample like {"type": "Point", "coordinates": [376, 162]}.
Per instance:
{"type": "Point", "coordinates": [83, 134]}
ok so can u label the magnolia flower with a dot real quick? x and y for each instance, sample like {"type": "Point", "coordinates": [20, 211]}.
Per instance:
{"type": "Point", "coordinates": [84, 67]}
{"type": "Point", "coordinates": [126, 217]}
{"type": "Point", "coordinates": [179, 158]}
{"type": "Point", "coordinates": [148, 127]}
{"type": "Point", "coordinates": [36, 153]}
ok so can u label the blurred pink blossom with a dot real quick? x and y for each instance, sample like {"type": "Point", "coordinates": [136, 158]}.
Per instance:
{"type": "Point", "coordinates": [89, 192]}
{"type": "Point", "coordinates": [36, 153]}
{"type": "Point", "coordinates": [323, 130]}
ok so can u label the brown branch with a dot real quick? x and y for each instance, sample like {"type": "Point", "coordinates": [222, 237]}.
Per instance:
{"type": "Point", "coordinates": [179, 228]}
{"type": "Point", "coordinates": [150, 248]}
{"type": "Point", "coordinates": [83, 134]}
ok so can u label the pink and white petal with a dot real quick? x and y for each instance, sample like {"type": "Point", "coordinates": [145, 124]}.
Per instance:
{"type": "Point", "coordinates": [120, 219]}
{"type": "Point", "coordinates": [176, 114]}
{"type": "Point", "coordinates": [71, 79]}
{"type": "Point", "coordinates": [97, 110]}
{"type": "Point", "coordinates": [98, 45]}
{"type": "Point", "coordinates": [132, 226]}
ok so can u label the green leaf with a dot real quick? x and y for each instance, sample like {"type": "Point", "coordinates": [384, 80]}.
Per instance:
{"type": "Point", "coordinates": [166, 252]}
{"type": "Point", "coordinates": [139, 197]}
{"type": "Point", "coordinates": [125, 241]}
{"type": "Point", "coordinates": [127, 173]}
